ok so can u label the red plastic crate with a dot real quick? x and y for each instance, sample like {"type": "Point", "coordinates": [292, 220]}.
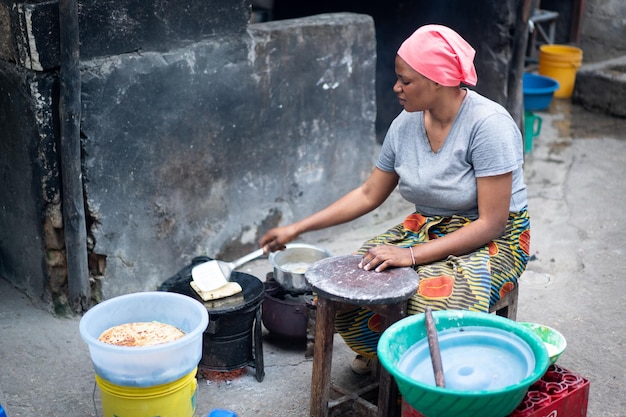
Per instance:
{"type": "Point", "coordinates": [559, 393]}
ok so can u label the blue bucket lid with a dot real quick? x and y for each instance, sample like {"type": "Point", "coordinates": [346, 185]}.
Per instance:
{"type": "Point", "coordinates": [222, 413]}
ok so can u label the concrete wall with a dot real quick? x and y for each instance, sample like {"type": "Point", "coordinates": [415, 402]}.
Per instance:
{"type": "Point", "coordinates": [29, 178]}
{"type": "Point", "coordinates": [191, 146]}
{"type": "Point", "coordinates": [603, 32]}
{"type": "Point", "coordinates": [200, 150]}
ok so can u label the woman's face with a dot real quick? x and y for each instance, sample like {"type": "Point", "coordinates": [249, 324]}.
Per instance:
{"type": "Point", "coordinates": [415, 92]}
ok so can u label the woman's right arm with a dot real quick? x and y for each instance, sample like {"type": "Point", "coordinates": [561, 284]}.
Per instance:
{"type": "Point", "coordinates": [363, 199]}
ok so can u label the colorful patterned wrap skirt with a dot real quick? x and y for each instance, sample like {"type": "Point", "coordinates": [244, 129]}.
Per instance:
{"type": "Point", "coordinates": [474, 281]}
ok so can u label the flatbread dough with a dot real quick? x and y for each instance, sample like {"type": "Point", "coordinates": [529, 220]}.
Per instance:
{"type": "Point", "coordinates": [141, 334]}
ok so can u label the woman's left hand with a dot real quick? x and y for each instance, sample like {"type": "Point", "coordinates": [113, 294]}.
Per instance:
{"type": "Point", "coordinates": [385, 256]}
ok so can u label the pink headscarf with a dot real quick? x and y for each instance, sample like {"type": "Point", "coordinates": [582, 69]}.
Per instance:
{"type": "Point", "coordinates": [440, 54]}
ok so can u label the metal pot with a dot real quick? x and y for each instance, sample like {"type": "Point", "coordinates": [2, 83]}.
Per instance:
{"type": "Point", "coordinates": [284, 314]}
{"type": "Point", "coordinates": [291, 263]}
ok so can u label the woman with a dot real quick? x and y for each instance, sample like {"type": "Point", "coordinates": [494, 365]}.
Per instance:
{"type": "Point", "coordinates": [458, 157]}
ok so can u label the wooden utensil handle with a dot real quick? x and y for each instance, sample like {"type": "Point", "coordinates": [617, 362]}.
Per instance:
{"type": "Point", "coordinates": [433, 346]}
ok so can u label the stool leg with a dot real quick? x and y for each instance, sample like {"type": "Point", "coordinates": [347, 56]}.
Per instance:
{"type": "Point", "coordinates": [387, 387]}
{"type": "Point", "coordinates": [322, 356]}
{"type": "Point", "coordinates": [258, 347]}
{"type": "Point", "coordinates": [512, 311]}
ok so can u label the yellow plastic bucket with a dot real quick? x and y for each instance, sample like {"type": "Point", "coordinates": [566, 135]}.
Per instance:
{"type": "Point", "coordinates": [174, 399]}
{"type": "Point", "coordinates": [560, 62]}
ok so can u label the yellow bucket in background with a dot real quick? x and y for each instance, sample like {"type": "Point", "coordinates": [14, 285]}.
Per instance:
{"type": "Point", "coordinates": [174, 399]}
{"type": "Point", "coordinates": [560, 62]}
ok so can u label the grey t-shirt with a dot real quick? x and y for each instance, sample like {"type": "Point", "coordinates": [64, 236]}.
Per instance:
{"type": "Point", "coordinates": [483, 141]}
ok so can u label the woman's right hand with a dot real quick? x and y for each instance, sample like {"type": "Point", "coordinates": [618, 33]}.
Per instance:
{"type": "Point", "coordinates": [371, 194]}
{"type": "Point", "coordinates": [275, 239]}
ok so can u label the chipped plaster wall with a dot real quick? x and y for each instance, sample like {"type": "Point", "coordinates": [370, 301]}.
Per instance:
{"type": "Point", "coordinates": [29, 175]}
{"type": "Point", "coordinates": [603, 32]}
{"type": "Point", "coordinates": [195, 149]}
{"type": "Point", "coordinates": [198, 151]}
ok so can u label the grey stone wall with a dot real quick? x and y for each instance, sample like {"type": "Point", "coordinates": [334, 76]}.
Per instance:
{"type": "Point", "coordinates": [200, 150]}
{"type": "Point", "coordinates": [603, 32]}
{"type": "Point", "coordinates": [29, 30]}
{"type": "Point", "coordinates": [29, 192]}
{"type": "Point", "coordinates": [601, 86]}
{"type": "Point", "coordinates": [189, 148]}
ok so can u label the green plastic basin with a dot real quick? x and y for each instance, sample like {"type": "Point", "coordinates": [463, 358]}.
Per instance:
{"type": "Point", "coordinates": [555, 342]}
{"type": "Point", "coordinates": [432, 401]}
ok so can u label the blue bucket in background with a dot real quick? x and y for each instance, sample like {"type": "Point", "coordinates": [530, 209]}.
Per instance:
{"type": "Point", "coordinates": [538, 91]}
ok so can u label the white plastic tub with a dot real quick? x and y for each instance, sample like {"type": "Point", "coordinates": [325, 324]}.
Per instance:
{"type": "Point", "coordinates": [149, 365]}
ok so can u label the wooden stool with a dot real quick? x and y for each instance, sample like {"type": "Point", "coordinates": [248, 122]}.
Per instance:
{"type": "Point", "coordinates": [507, 305]}
{"type": "Point", "coordinates": [338, 280]}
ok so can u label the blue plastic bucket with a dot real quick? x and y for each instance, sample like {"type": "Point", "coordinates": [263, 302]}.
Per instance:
{"type": "Point", "coordinates": [538, 91]}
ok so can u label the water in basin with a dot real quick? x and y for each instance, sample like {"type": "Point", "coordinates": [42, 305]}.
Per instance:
{"type": "Point", "coordinates": [474, 358]}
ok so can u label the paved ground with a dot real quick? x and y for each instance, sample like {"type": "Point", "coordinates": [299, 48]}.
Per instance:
{"type": "Point", "coordinates": [574, 282]}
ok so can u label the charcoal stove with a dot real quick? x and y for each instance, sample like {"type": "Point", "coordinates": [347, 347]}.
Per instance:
{"type": "Point", "coordinates": [232, 339]}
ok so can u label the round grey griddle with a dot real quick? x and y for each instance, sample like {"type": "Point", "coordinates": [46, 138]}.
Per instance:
{"type": "Point", "coordinates": [339, 278]}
